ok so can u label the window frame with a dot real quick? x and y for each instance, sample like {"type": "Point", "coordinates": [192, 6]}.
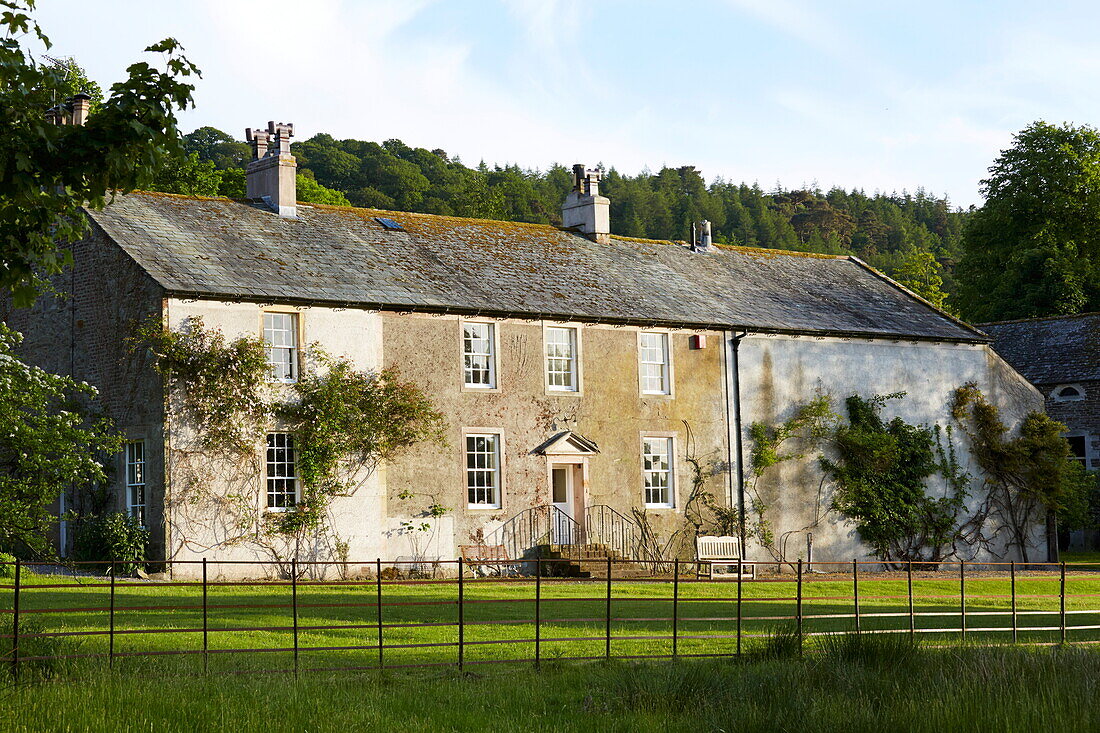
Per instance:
{"type": "Point", "coordinates": [268, 477]}
{"type": "Point", "coordinates": [673, 478]}
{"type": "Point", "coordinates": [575, 332]}
{"type": "Point", "coordinates": [498, 436]}
{"type": "Point", "coordinates": [1090, 456]}
{"type": "Point", "coordinates": [494, 351]}
{"type": "Point", "coordinates": [138, 510]}
{"type": "Point", "coordinates": [295, 350]}
{"type": "Point", "coordinates": [667, 374]}
{"type": "Point", "coordinates": [1057, 396]}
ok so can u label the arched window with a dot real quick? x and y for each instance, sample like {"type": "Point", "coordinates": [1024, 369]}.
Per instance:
{"type": "Point", "coordinates": [1068, 392]}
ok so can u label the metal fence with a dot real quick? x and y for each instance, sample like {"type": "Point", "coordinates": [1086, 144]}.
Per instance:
{"type": "Point", "coordinates": [653, 616]}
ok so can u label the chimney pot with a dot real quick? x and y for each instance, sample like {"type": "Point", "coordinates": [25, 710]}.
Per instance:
{"type": "Point", "coordinates": [81, 104]}
{"type": "Point", "coordinates": [701, 236]}
{"type": "Point", "coordinates": [271, 175]}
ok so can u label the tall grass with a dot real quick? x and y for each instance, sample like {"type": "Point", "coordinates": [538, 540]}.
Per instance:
{"type": "Point", "coordinates": [852, 686]}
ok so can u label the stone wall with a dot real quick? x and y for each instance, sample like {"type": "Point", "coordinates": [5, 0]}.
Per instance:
{"type": "Point", "coordinates": [81, 331]}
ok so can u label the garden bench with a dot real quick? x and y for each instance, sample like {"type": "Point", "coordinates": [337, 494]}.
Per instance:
{"type": "Point", "coordinates": [722, 551]}
{"type": "Point", "coordinates": [486, 560]}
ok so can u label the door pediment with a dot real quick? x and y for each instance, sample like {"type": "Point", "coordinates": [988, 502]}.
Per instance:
{"type": "Point", "coordinates": [567, 443]}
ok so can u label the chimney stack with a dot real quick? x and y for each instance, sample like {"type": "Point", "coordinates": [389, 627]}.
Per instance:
{"type": "Point", "coordinates": [585, 210]}
{"type": "Point", "coordinates": [271, 175]}
{"type": "Point", "coordinates": [701, 236]}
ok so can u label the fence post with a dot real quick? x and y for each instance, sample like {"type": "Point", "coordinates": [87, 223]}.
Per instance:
{"type": "Point", "coordinates": [378, 585]}
{"type": "Point", "coordinates": [15, 624]}
{"type": "Point", "coordinates": [1062, 602]}
{"type": "Point", "coordinates": [675, 602]}
{"type": "Point", "coordinates": [912, 616]}
{"type": "Point", "coordinates": [461, 620]}
{"type": "Point", "coordinates": [855, 591]}
{"type": "Point", "coordinates": [607, 630]}
{"type": "Point", "coordinates": [294, 608]}
{"type": "Point", "coordinates": [538, 608]}
{"type": "Point", "coordinates": [798, 613]}
{"type": "Point", "coordinates": [205, 623]}
{"type": "Point", "coordinates": [111, 620]}
{"type": "Point", "coordinates": [1012, 575]}
{"type": "Point", "coordinates": [962, 598]}
{"type": "Point", "coordinates": [739, 574]}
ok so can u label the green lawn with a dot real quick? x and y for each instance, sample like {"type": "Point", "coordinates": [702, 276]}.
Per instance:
{"type": "Point", "coordinates": [849, 689]}
{"type": "Point", "coordinates": [419, 619]}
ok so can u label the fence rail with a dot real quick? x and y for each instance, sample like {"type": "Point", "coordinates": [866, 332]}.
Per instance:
{"type": "Point", "coordinates": [432, 621]}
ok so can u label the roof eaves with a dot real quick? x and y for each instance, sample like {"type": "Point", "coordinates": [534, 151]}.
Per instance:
{"type": "Point", "coordinates": [240, 297]}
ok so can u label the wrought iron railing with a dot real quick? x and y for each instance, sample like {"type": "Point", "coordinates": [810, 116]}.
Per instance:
{"type": "Point", "coordinates": [547, 525]}
{"type": "Point", "coordinates": [605, 526]}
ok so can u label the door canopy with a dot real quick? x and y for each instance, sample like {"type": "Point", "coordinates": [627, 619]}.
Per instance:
{"type": "Point", "coordinates": [567, 443]}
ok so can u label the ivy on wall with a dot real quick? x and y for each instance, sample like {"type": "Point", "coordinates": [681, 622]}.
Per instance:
{"type": "Point", "coordinates": [880, 473]}
{"type": "Point", "coordinates": [1027, 477]}
{"type": "Point", "coordinates": [345, 422]}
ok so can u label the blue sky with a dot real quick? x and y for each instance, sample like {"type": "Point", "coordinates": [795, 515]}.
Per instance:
{"type": "Point", "coordinates": [879, 96]}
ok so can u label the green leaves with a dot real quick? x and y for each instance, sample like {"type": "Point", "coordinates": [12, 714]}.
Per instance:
{"type": "Point", "coordinates": [1033, 249]}
{"type": "Point", "coordinates": [879, 473]}
{"type": "Point", "coordinates": [50, 438]}
{"type": "Point", "coordinates": [47, 172]}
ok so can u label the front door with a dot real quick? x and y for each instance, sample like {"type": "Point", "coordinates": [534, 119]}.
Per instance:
{"type": "Point", "coordinates": [562, 521]}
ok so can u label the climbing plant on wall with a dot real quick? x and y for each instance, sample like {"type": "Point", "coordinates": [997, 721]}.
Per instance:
{"type": "Point", "coordinates": [811, 424]}
{"type": "Point", "coordinates": [880, 471]}
{"type": "Point", "coordinates": [1026, 477]}
{"type": "Point", "coordinates": [345, 422]}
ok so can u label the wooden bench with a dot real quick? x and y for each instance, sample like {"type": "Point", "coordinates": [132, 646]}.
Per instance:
{"type": "Point", "coordinates": [711, 551]}
{"type": "Point", "coordinates": [486, 560]}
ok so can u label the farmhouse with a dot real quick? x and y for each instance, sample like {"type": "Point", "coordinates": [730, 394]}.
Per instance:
{"type": "Point", "coordinates": [590, 383]}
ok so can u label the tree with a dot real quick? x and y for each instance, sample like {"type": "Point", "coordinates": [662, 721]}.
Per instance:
{"type": "Point", "coordinates": [48, 172]}
{"type": "Point", "coordinates": [51, 438]}
{"type": "Point", "coordinates": [187, 174]}
{"type": "Point", "coordinates": [1033, 249]}
{"type": "Point", "coordinates": [921, 273]}
{"type": "Point", "coordinates": [211, 144]}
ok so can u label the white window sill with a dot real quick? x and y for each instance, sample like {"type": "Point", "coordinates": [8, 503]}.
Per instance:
{"type": "Point", "coordinates": [660, 506]}
{"type": "Point", "coordinates": [280, 509]}
{"type": "Point", "coordinates": [484, 507]}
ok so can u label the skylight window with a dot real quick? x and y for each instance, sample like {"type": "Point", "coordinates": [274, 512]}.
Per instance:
{"type": "Point", "coordinates": [389, 224]}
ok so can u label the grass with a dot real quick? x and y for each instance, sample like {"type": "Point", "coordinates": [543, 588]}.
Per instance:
{"type": "Point", "coordinates": [167, 619]}
{"type": "Point", "coordinates": [855, 686]}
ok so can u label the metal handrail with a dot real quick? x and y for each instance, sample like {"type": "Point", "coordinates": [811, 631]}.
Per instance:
{"type": "Point", "coordinates": [610, 528]}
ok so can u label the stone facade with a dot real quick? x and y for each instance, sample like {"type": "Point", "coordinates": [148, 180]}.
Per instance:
{"type": "Point", "coordinates": [383, 296]}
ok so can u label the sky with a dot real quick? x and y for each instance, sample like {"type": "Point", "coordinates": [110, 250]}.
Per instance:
{"type": "Point", "coordinates": [870, 95]}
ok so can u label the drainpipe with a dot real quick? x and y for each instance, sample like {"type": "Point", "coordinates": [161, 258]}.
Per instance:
{"type": "Point", "coordinates": [736, 446]}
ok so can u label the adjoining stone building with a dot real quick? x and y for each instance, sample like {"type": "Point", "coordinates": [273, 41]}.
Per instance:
{"type": "Point", "coordinates": [577, 370]}
{"type": "Point", "coordinates": [1060, 355]}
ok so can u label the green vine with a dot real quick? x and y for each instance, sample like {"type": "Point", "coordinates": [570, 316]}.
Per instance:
{"type": "Point", "coordinates": [221, 382]}
{"type": "Point", "coordinates": [345, 422]}
{"type": "Point", "coordinates": [809, 426]}
{"type": "Point", "coordinates": [1027, 477]}
{"type": "Point", "coordinates": [880, 473]}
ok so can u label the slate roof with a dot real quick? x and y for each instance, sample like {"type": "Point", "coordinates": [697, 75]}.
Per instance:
{"type": "Point", "coordinates": [205, 247]}
{"type": "Point", "coordinates": [1050, 350]}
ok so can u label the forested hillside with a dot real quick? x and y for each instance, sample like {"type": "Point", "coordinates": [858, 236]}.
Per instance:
{"type": "Point", "coordinates": [914, 237]}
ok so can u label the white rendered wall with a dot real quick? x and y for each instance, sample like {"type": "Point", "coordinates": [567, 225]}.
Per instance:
{"type": "Point", "coordinates": [779, 373]}
{"type": "Point", "coordinates": [359, 519]}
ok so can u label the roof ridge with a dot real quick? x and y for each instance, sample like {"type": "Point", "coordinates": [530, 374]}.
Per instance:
{"type": "Point", "coordinates": [1041, 318]}
{"type": "Point", "coordinates": [736, 247]}
{"type": "Point", "coordinates": [448, 217]}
